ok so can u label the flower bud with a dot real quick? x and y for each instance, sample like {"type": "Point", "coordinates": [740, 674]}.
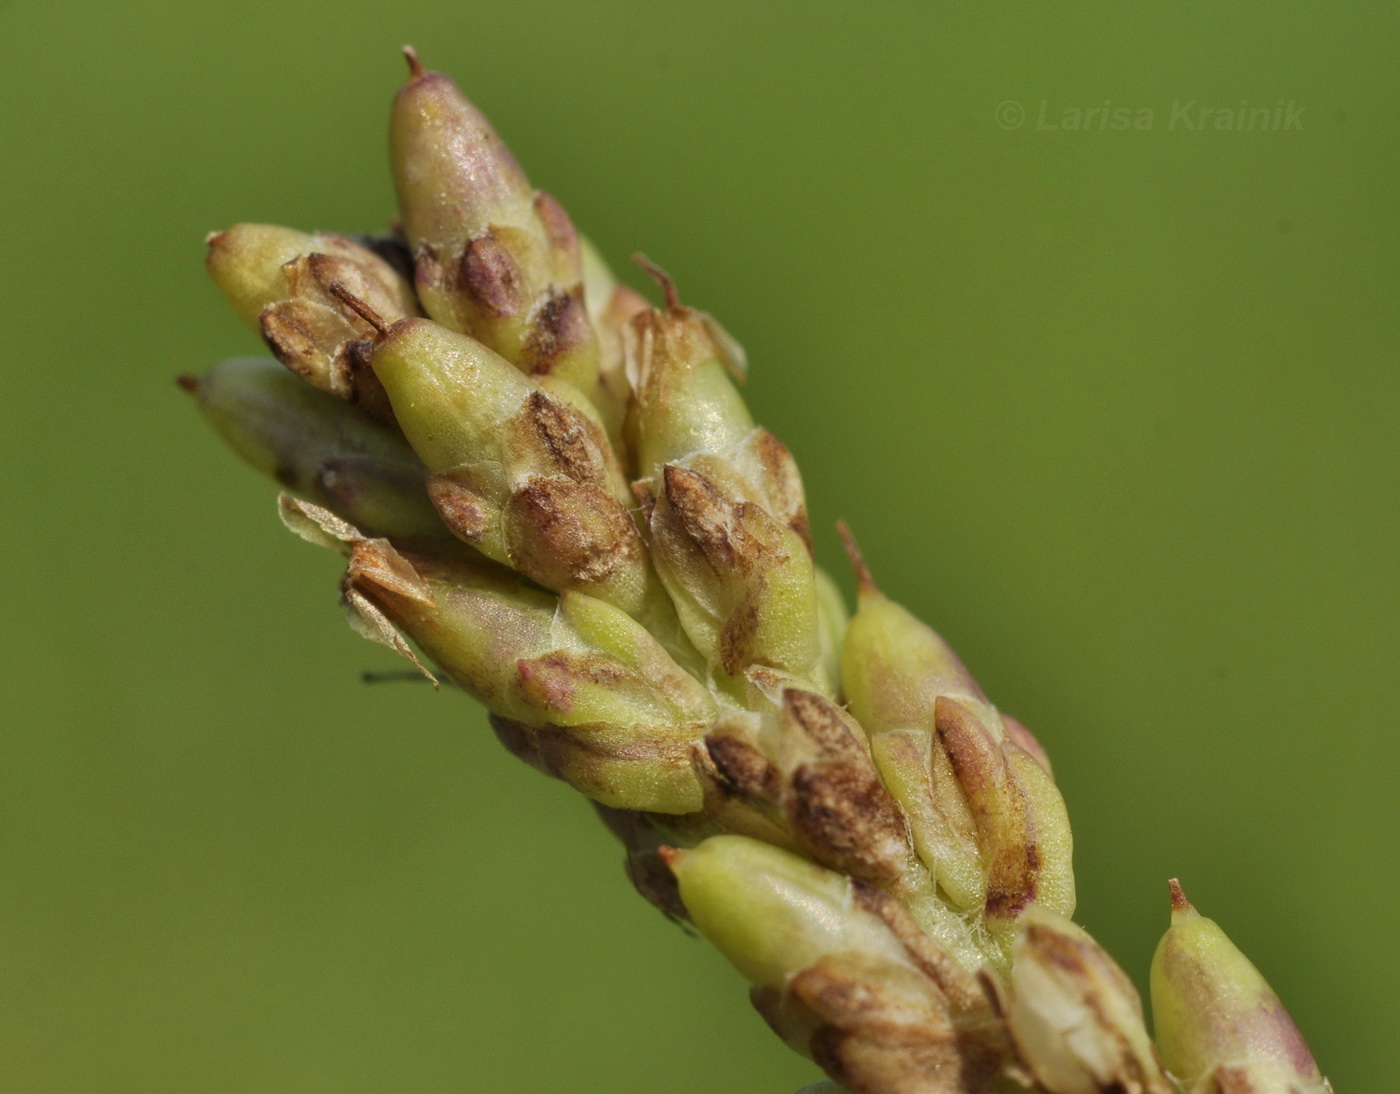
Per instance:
{"type": "Point", "coordinates": [494, 259]}
{"type": "Point", "coordinates": [290, 287]}
{"type": "Point", "coordinates": [771, 913]}
{"type": "Point", "coordinates": [809, 765]}
{"type": "Point", "coordinates": [893, 666]}
{"type": "Point", "coordinates": [618, 728]}
{"type": "Point", "coordinates": [1220, 1027]}
{"type": "Point", "coordinates": [686, 399]}
{"type": "Point", "coordinates": [318, 446]}
{"type": "Point", "coordinates": [518, 473]}
{"type": "Point", "coordinates": [840, 970]}
{"type": "Point", "coordinates": [1074, 1015]}
{"type": "Point", "coordinates": [742, 583]}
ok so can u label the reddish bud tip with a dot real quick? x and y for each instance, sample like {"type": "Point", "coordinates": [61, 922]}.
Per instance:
{"type": "Point", "coordinates": [188, 383]}
{"type": "Point", "coordinates": [662, 278]}
{"type": "Point", "coordinates": [1181, 907]}
{"type": "Point", "coordinates": [415, 66]}
{"type": "Point", "coordinates": [863, 576]}
{"type": "Point", "coordinates": [669, 855]}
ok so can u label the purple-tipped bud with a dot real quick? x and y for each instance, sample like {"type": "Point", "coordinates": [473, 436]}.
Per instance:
{"type": "Point", "coordinates": [1220, 1027]}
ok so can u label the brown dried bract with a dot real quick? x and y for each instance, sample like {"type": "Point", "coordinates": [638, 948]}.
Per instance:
{"type": "Point", "coordinates": [569, 535]}
{"type": "Point", "coordinates": [553, 438]}
{"type": "Point", "coordinates": [998, 805]}
{"type": "Point", "coordinates": [492, 277]}
{"type": "Point", "coordinates": [781, 481]}
{"type": "Point", "coordinates": [467, 515]}
{"type": "Point", "coordinates": [885, 1029]}
{"type": "Point", "coordinates": [560, 330]}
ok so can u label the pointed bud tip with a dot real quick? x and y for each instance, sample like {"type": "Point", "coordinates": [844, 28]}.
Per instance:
{"type": "Point", "coordinates": [671, 856]}
{"type": "Point", "coordinates": [1182, 909]}
{"type": "Point", "coordinates": [662, 278]}
{"type": "Point", "coordinates": [416, 71]}
{"type": "Point", "coordinates": [186, 382]}
{"type": "Point", "coordinates": [866, 582]}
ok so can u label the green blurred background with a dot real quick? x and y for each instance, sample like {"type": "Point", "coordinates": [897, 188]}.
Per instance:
{"type": "Point", "coordinates": [1115, 410]}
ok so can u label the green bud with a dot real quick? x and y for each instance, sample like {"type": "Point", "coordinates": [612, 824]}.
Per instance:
{"type": "Point", "coordinates": [842, 971]}
{"type": "Point", "coordinates": [493, 258]}
{"type": "Point", "coordinates": [609, 629]}
{"type": "Point", "coordinates": [291, 287]}
{"type": "Point", "coordinates": [686, 399]}
{"type": "Point", "coordinates": [940, 823]}
{"type": "Point", "coordinates": [318, 446]}
{"type": "Point", "coordinates": [518, 473]}
{"type": "Point", "coordinates": [893, 666]}
{"type": "Point", "coordinates": [1074, 1015]}
{"type": "Point", "coordinates": [571, 708]}
{"type": "Point", "coordinates": [742, 582]}
{"type": "Point", "coordinates": [771, 913]}
{"type": "Point", "coordinates": [1220, 1027]}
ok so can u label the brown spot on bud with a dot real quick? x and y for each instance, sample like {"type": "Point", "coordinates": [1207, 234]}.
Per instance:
{"type": "Point", "coordinates": [290, 330]}
{"type": "Point", "coordinates": [561, 437]}
{"type": "Point", "coordinates": [998, 806]}
{"type": "Point", "coordinates": [885, 1028]}
{"type": "Point", "coordinates": [366, 390]}
{"type": "Point", "coordinates": [569, 535]}
{"type": "Point", "coordinates": [782, 482]}
{"type": "Point", "coordinates": [739, 815]}
{"type": "Point", "coordinates": [825, 724]}
{"type": "Point", "coordinates": [492, 277]}
{"type": "Point", "coordinates": [561, 329]}
{"type": "Point", "coordinates": [848, 820]}
{"type": "Point", "coordinates": [742, 769]}
{"type": "Point", "coordinates": [705, 515]}
{"type": "Point", "coordinates": [650, 874]}
{"type": "Point", "coordinates": [551, 681]}
{"type": "Point", "coordinates": [464, 512]}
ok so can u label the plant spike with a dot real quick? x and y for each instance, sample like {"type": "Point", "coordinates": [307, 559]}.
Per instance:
{"type": "Point", "coordinates": [555, 495]}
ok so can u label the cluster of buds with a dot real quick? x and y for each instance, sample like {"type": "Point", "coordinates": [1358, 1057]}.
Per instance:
{"type": "Point", "coordinates": [553, 494]}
